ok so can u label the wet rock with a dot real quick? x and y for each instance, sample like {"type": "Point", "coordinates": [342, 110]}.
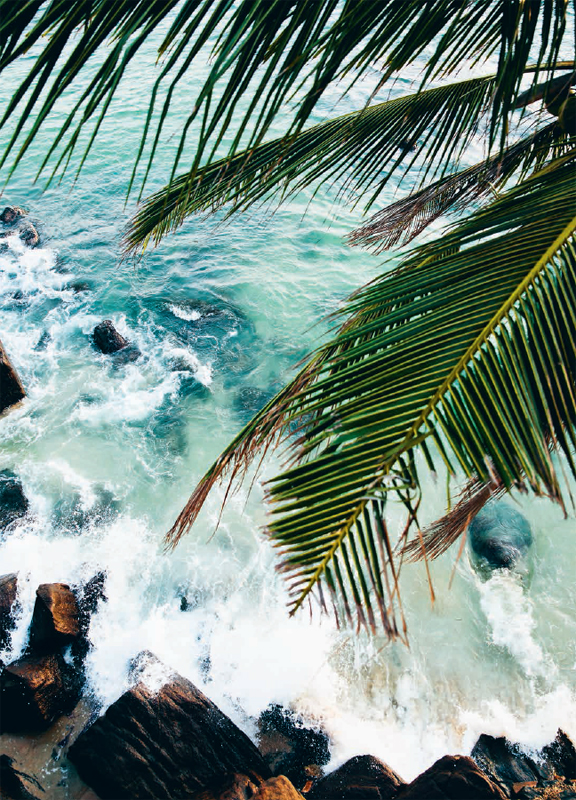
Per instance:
{"type": "Point", "coordinates": [8, 594]}
{"type": "Point", "coordinates": [29, 235]}
{"type": "Point", "coordinates": [499, 537]}
{"type": "Point", "coordinates": [17, 785]}
{"type": "Point", "coordinates": [162, 743]}
{"type": "Point", "coordinates": [13, 502]}
{"type": "Point", "coordinates": [361, 776]}
{"type": "Point", "coordinates": [36, 690]}
{"type": "Point", "coordinates": [11, 389]}
{"type": "Point", "coordinates": [229, 787]}
{"type": "Point", "coordinates": [89, 598]}
{"type": "Point", "coordinates": [279, 788]}
{"type": "Point", "coordinates": [43, 341]}
{"type": "Point", "coordinates": [56, 618]}
{"type": "Point", "coordinates": [452, 778]}
{"type": "Point", "coordinates": [289, 746]}
{"type": "Point", "coordinates": [127, 355]}
{"type": "Point", "coordinates": [503, 761]}
{"type": "Point", "coordinates": [11, 214]}
{"type": "Point", "coordinates": [107, 339]}
{"type": "Point", "coordinates": [80, 286]}
{"type": "Point", "coordinates": [561, 756]}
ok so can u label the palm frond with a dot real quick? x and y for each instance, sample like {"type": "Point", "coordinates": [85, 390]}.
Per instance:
{"type": "Point", "coordinates": [283, 51]}
{"type": "Point", "coordinates": [365, 148]}
{"type": "Point", "coordinates": [400, 222]}
{"type": "Point", "coordinates": [466, 351]}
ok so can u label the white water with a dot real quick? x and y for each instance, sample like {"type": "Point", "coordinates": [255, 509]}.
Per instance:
{"type": "Point", "coordinates": [108, 454]}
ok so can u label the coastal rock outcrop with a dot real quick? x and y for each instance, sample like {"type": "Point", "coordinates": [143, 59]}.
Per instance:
{"type": "Point", "coordinates": [290, 747]}
{"type": "Point", "coordinates": [11, 214]}
{"type": "Point", "coordinates": [11, 389]}
{"type": "Point", "coordinates": [278, 788]}
{"type": "Point", "coordinates": [13, 502]}
{"type": "Point", "coordinates": [17, 785]}
{"type": "Point", "coordinates": [107, 339]}
{"type": "Point", "coordinates": [8, 594]}
{"type": "Point", "coordinates": [361, 776]}
{"type": "Point", "coordinates": [56, 618]}
{"type": "Point", "coordinates": [452, 778]}
{"type": "Point", "coordinates": [28, 234]}
{"type": "Point", "coordinates": [162, 742]}
{"type": "Point", "coordinates": [35, 690]}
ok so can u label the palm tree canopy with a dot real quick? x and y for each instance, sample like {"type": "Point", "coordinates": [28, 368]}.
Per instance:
{"type": "Point", "coordinates": [464, 354]}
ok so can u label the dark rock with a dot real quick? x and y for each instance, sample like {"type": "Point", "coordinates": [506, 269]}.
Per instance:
{"type": "Point", "coordinates": [289, 746]}
{"type": "Point", "coordinates": [228, 787]}
{"type": "Point", "coordinates": [360, 777]}
{"type": "Point", "coordinates": [89, 598]}
{"type": "Point", "coordinates": [13, 502]}
{"type": "Point", "coordinates": [162, 744]}
{"type": "Point", "coordinates": [127, 355]}
{"type": "Point", "coordinates": [43, 341]}
{"type": "Point", "coordinates": [452, 778]}
{"type": "Point", "coordinates": [11, 214]}
{"type": "Point", "coordinates": [11, 389]}
{"type": "Point", "coordinates": [107, 339]}
{"type": "Point", "coordinates": [17, 785]}
{"type": "Point", "coordinates": [28, 234]}
{"type": "Point", "coordinates": [561, 756]}
{"type": "Point", "coordinates": [505, 763]}
{"type": "Point", "coordinates": [80, 286]}
{"type": "Point", "coordinates": [499, 537]}
{"type": "Point", "coordinates": [8, 594]}
{"type": "Point", "coordinates": [35, 690]}
{"type": "Point", "coordinates": [56, 618]}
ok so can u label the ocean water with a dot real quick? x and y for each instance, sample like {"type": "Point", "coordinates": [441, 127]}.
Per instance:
{"type": "Point", "coordinates": [108, 453]}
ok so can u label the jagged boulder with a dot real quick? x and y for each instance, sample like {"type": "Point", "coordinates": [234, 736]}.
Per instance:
{"type": "Point", "coordinates": [162, 743]}
{"type": "Point", "coordinates": [28, 234]}
{"type": "Point", "coordinates": [8, 594]}
{"type": "Point", "coordinates": [452, 778]}
{"type": "Point", "coordinates": [361, 776]}
{"type": "Point", "coordinates": [13, 502]}
{"type": "Point", "coordinates": [11, 214]}
{"type": "Point", "coordinates": [36, 690]}
{"type": "Point", "coordinates": [290, 747]}
{"type": "Point", "coordinates": [11, 389]}
{"type": "Point", "coordinates": [55, 619]}
{"type": "Point", "coordinates": [107, 339]}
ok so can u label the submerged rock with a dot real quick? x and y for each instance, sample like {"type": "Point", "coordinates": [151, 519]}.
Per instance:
{"type": "Point", "coordinates": [16, 784]}
{"type": "Point", "coordinates": [36, 690]}
{"type": "Point", "coordinates": [499, 538]}
{"type": "Point", "coordinates": [452, 778]}
{"type": "Point", "coordinates": [361, 776]}
{"type": "Point", "coordinates": [28, 234]}
{"type": "Point", "coordinates": [11, 214]}
{"type": "Point", "coordinates": [162, 743]}
{"type": "Point", "coordinates": [13, 502]}
{"type": "Point", "coordinates": [107, 339]}
{"type": "Point", "coordinates": [8, 595]}
{"type": "Point", "coordinates": [56, 618]}
{"type": "Point", "coordinates": [290, 747]}
{"type": "Point", "coordinates": [11, 389]}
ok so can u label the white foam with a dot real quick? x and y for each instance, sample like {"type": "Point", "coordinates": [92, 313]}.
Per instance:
{"type": "Point", "coordinates": [188, 314]}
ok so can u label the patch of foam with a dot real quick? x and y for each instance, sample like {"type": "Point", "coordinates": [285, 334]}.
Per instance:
{"type": "Point", "coordinates": [187, 314]}
{"type": "Point", "coordinates": [202, 372]}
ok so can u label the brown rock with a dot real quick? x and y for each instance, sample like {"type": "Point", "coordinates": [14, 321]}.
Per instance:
{"type": "Point", "coordinates": [279, 788]}
{"type": "Point", "coordinates": [8, 592]}
{"type": "Point", "coordinates": [361, 776]}
{"type": "Point", "coordinates": [561, 755]}
{"type": "Point", "coordinates": [230, 787]}
{"type": "Point", "coordinates": [11, 214]}
{"type": "Point", "coordinates": [452, 778]}
{"type": "Point", "coordinates": [107, 339]}
{"type": "Point", "coordinates": [11, 389]}
{"type": "Point", "coordinates": [16, 784]}
{"type": "Point", "coordinates": [29, 235]}
{"type": "Point", "coordinates": [56, 618]}
{"type": "Point", "coordinates": [162, 744]}
{"type": "Point", "coordinates": [34, 691]}
{"type": "Point", "coordinates": [505, 763]}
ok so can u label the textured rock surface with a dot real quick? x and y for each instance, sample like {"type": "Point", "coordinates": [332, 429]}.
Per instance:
{"type": "Point", "coordinates": [10, 214]}
{"type": "Point", "coordinates": [8, 593]}
{"type": "Point", "coordinates": [16, 784]}
{"type": "Point", "coordinates": [452, 778]}
{"type": "Point", "coordinates": [107, 339]}
{"type": "Point", "coordinates": [13, 502]}
{"type": "Point", "coordinates": [165, 744]}
{"type": "Point", "coordinates": [56, 618]}
{"type": "Point", "coordinates": [279, 788]}
{"type": "Point", "coordinates": [229, 787]}
{"type": "Point", "coordinates": [36, 690]}
{"type": "Point", "coordinates": [361, 776]}
{"type": "Point", "coordinates": [11, 389]}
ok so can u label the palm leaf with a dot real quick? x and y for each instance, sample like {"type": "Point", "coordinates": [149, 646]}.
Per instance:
{"type": "Point", "coordinates": [466, 351]}
{"type": "Point", "coordinates": [282, 51]}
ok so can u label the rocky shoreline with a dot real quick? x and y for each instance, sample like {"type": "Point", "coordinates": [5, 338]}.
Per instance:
{"type": "Point", "coordinates": [164, 739]}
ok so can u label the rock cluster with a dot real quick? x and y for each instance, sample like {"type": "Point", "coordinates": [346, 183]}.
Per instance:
{"type": "Point", "coordinates": [13, 216]}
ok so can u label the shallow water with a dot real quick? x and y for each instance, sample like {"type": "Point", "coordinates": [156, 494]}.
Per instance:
{"type": "Point", "coordinates": [108, 453]}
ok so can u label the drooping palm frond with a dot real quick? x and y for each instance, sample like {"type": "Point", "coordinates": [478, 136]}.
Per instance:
{"type": "Point", "coordinates": [469, 350]}
{"type": "Point", "coordinates": [400, 222]}
{"type": "Point", "coordinates": [284, 51]}
{"type": "Point", "coordinates": [365, 148]}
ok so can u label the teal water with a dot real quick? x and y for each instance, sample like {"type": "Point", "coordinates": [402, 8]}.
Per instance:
{"type": "Point", "coordinates": [108, 454]}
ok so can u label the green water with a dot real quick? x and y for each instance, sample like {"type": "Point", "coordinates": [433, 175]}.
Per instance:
{"type": "Point", "coordinates": [109, 453]}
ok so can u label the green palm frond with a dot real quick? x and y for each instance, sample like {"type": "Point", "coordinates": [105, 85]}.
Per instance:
{"type": "Point", "coordinates": [365, 148]}
{"type": "Point", "coordinates": [283, 51]}
{"type": "Point", "coordinates": [400, 222]}
{"type": "Point", "coordinates": [466, 353]}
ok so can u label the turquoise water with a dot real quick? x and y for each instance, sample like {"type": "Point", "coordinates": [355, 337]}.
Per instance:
{"type": "Point", "coordinates": [108, 454]}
